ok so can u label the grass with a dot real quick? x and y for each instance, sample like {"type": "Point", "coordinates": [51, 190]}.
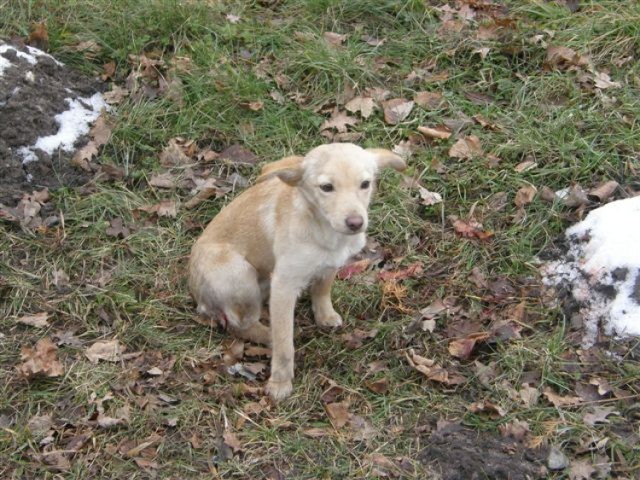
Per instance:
{"type": "Point", "coordinates": [134, 289]}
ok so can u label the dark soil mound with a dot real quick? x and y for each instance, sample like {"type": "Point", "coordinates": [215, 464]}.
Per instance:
{"type": "Point", "coordinates": [31, 95]}
{"type": "Point", "coordinates": [463, 454]}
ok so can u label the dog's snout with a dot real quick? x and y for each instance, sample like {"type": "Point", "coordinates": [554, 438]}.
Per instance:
{"type": "Point", "coordinates": [354, 222]}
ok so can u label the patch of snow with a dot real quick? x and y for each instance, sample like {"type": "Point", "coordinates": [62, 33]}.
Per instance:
{"type": "Point", "coordinates": [602, 269]}
{"type": "Point", "coordinates": [30, 57]}
{"type": "Point", "coordinates": [73, 123]}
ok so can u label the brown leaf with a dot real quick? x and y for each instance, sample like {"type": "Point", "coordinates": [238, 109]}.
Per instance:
{"type": "Point", "coordinates": [466, 148]}
{"type": "Point", "coordinates": [429, 198]}
{"type": "Point", "coordinates": [516, 429]}
{"type": "Point", "coordinates": [355, 339]}
{"type": "Point", "coordinates": [364, 105]}
{"type": "Point", "coordinates": [581, 469]}
{"type": "Point", "coordinates": [380, 386]}
{"type": "Point", "coordinates": [564, 58]}
{"type": "Point", "coordinates": [117, 229]}
{"type": "Point", "coordinates": [163, 180]}
{"type": "Point", "coordinates": [470, 228]}
{"type": "Point", "coordinates": [83, 156]}
{"type": "Point", "coordinates": [116, 95]}
{"type": "Point", "coordinates": [232, 441]}
{"type": "Point", "coordinates": [39, 36]}
{"type": "Point", "coordinates": [598, 415]}
{"type": "Point", "coordinates": [525, 166]}
{"type": "Point", "coordinates": [558, 400]}
{"type": "Point", "coordinates": [410, 271]}
{"type": "Point", "coordinates": [525, 195]}
{"type": "Point", "coordinates": [439, 132]}
{"type": "Point", "coordinates": [338, 413]}
{"type": "Point", "coordinates": [603, 192]}
{"type": "Point", "coordinates": [602, 81]}
{"type": "Point", "coordinates": [429, 99]}
{"type": "Point", "coordinates": [39, 320]}
{"type": "Point", "coordinates": [41, 360]}
{"type": "Point", "coordinates": [172, 155]}
{"type": "Point", "coordinates": [317, 432]}
{"type": "Point", "coordinates": [353, 268]}
{"type": "Point", "coordinates": [434, 371]}
{"type": "Point", "coordinates": [377, 93]}
{"type": "Point", "coordinates": [107, 350]}
{"type": "Point", "coordinates": [529, 395]}
{"type": "Point", "coordinates": [166, 208]}
{"type": "Point", "coordinates": [396, 110]}
{"type": "Point", "coordinates": [334, 39]}
{"type": "Point", "coordinates": [461, 348]}
{"type": "Point", "coordinates": [373, 41]}
{"type": "Point", "coordinates": [494, 411]}
{"type": "Point", "coordinates": [338, 121]}
{"type": "Point", "coordinates": [237, 154]}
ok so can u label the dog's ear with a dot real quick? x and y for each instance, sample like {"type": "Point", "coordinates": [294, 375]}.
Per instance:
{"type": "Point", "coordinates": [386, 158]}
{"type": "Point", "coordinates": [288, 169]}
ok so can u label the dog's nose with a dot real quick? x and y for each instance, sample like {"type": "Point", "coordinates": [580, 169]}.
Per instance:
{"type": "Point", "coordinates": [354, 222]}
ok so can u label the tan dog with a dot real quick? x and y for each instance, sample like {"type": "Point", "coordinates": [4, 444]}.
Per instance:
{"type": "Point", "coordinates": [295, 228]}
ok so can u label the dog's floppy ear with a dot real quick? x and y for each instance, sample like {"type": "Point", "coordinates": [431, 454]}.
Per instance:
{"type": "Point", "coordinates": [386, 158]}
{"type": "Point", "coordinates": [288, 169]}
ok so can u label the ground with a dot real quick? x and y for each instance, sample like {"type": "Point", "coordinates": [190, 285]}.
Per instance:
{"type": "Point", "coordinates": [455, 361]}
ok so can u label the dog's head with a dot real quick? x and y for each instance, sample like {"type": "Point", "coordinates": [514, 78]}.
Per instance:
{"type": "Point", "coordinates": [337, 179]}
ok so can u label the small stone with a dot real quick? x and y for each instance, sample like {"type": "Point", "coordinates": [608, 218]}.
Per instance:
{"type": "Point", "coordinates": [557, 460]}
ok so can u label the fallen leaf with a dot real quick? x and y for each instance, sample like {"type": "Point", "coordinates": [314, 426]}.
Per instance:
{"type": "Point", "coordinates": [173, 155]}
{"type": "Point", "coordinates": [396, 110]}
{"type": "Point", "coordinates": [338, 413]}
{"type": "Point", "coordinates": [237, 154]}
{"type": "Point", "coordinates": [516, 429]}
{"type": "Point", "coordinates": [41, 360]}
{"type": "Point", "coordinates": [429, 99]}
{"type": "Point", "coordinates": [39, 36]}
{"type": "Point", "coordinates": [429, 198]}
{"type": "Point", "coordinates": [357, 337]}
{"type": "Point", "coordinates": [564, 58]}
{"type": "Point", "coordinates": [163, 180]}
{"type": "Point", "coordinates": [364, 105]}
{"type": "Point", "coordinates": [317, 432]}
{"type": "Point", "coordinates": [470, 228]}
{"type": "Point", "coordinates": [525, 195]}
{"type": "Point", "coordinates": [380, 386]}
{"type": "Point", "coordinates": [494, 411]}
{"type": "Point", "coordinates": [231, 18]}
{"type": "Point", "coordinates": [107, 350]}
{"type": "Point", "coordinates": [598, 415]}
{"type": "Point", "coordinates": [377, 93]}
{"type": "Point", "coordinates": [373, 41]}
{"type": "Point", "coordinates": [525, 166]}
{"type": "Point", "coordinates": [116, 95]}
{"type": "Point", "coordinates": [334, 39]}
{"type": "Point", "coordinates": [529, 395]}
{"type": "Point", "coordinates": [439, 132]}
{"type": "Point", "coordinates": [353, 268]}
{"type": "Point", "coordinates": [116, 228]}
{"type": "Point", "coordinates": [466, 148]}
{"type": "Point", "coordinates": [602, 81]}
{"type": "Point", "coordinates": [433, 371]}
{"type": "Point", "coordinates": [338, 121]}
{"type": "Point", "coordinates": [463, 347]}
{"type": "Point", "coordinates": [581, 469]}
{"type": "Point", "coordinates": [558, 400]}
{"type": "Point", "coordinates": [39, 320]}
{"type": "Point", "coordinates": [232, 441]}
{"type": "Point", "coordinates": [410, 271]}
{"type": "Point", "coordinates": [603, 192]}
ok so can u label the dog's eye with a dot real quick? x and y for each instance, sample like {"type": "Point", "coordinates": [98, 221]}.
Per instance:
{"type": "Point", "coordinates": [366, 184]}
{"type": "Point", "coordinates": [326, 187]}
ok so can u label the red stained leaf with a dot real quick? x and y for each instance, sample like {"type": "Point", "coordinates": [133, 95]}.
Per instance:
{"type": "Point", "coordinates": [411, 271]}
{"type": "Point", "coordinates": [470, 228]}
{"type": "Point", "coordinates": [352, 269]}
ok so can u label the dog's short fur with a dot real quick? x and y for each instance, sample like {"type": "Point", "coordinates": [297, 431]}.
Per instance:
{"type": "Point", "coordinates": [295, 228]}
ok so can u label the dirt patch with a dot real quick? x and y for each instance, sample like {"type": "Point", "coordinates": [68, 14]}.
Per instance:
{"type": "Point", "coordinates": [460, 453]}
{"type": "Point", "coordinates": [31, 95]}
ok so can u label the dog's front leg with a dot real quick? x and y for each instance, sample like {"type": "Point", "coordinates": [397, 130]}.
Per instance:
{"type": "Point", "coordinates": [281, 310]}
{"type": "Point", "coordinates": [323, 310]}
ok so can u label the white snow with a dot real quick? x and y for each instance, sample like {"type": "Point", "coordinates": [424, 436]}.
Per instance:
{"type": "Point", "coordinates": [73, 123]}
{"type": "Point", "coordinates": [604, 252]}
{"type": "Point", "coordinates": [29, 57]}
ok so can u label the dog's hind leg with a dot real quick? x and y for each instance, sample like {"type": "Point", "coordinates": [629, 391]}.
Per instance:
{"type": "Point", "coordinates": [222, 280]}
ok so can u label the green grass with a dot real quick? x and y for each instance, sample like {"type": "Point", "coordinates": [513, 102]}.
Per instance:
{"type": "Point", "coordinates": [134, 289]}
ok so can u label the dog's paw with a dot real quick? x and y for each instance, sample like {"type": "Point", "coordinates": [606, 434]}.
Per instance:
{"type": "Point", "coordinates": [279, 390]}
{"type": "Point", "coordinates": [332, 320]}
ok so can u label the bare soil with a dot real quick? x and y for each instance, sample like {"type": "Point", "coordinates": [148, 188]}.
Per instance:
{"type": "Point", "coordinates": [28, 110]}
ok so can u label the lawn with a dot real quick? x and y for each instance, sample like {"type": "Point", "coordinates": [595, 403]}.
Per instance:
{"type": "Point", "coordinates": [454, 358]}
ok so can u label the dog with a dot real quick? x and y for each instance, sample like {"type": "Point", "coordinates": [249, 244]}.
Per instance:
{"type": "Point", "coordinates": [301, 221]}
